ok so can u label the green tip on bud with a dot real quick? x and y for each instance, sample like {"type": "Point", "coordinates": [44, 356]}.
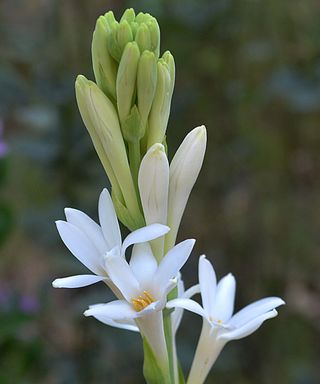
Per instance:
{"type": "Point", "coordinates": [133, 129]}
{"type": "Point", "coordinates": [154, 30]}
{"type": "Point", "coordinates": [126, 79]}
{"type": "Point", "coordinates": [128, 15]}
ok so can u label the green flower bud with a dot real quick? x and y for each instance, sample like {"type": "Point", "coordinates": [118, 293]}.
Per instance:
{"type": "Point", "coordinates": [112, 42]}
{"type": "Point", "coordinates": [104, 66]}
{"type": "Point", "coordinates": [146, 83]}
{"type": "Point", "coordinates": [100, 117]}
{"type": "Point", "coordinates": [154, 30]}
{"type": "Point", "coordinates": [143, 38]}
{"type": "Point", "coordinates": [168, 58]}
{"type": "Point", "coordinates": [159, 114]}
{"type": "Point", "coordinates": [124, 35]}
{"type": "Point", "coordinates": [126, 79]}
{"type": "Point", "coordinates": [133, 129]}
{"type": "Point", "coordinates": [128, 15]}
{"type": "Point", "coordinates": [125, 216]}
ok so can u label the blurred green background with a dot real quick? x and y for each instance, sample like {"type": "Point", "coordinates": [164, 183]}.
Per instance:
{"type": "Point", "coordinates": [250, 71]}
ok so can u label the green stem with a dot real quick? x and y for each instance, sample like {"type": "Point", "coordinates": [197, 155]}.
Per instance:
{"type": "Point", "coordinates": [134, 160]}
{"type": "Point", "coordinates": [169, 340]}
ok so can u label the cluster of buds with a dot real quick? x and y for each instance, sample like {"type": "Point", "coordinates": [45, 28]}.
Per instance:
{"type": "Point", "coordinates": [126, 113]}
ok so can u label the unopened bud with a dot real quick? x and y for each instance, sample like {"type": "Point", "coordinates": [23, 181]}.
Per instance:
{"type": "Point", "coordinates": [128, 15]}
{"type": "Point", "coordinates": [126, 79]}
{"type": "Point", "coordinates": [132, 128]}
{"type": "Point", "coordinates": [159, 114]}
{"type": "Point", "coordinates": [124, 35]}
{"type": "Point", "coordinates": [104, 66]}
{"type": "Point", "coordinates": [143, 38]}
{"type": "Point", "coordinates": [153, 184]}
{"type": "Point", "coordinates": [146, 83]}
{"type": "Point", "coordinates": [184, 170]}
{"type": "Point", "coordinates": [154, 30]}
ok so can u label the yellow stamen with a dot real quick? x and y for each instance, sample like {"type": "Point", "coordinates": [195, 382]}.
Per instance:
{"type": "Point", "coordinates": [141, 302]}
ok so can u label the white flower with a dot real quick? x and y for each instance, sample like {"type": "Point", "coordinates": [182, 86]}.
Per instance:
{"type": "Point", "coordinates": [90, 242]}
{"type": "Point", "coordinates": [144, 286]}
{"type": "Point", "coordinates": [219, 325]}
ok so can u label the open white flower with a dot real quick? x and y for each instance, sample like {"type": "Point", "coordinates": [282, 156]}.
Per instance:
{"type": "Point", "coordinates": [144, 286]}
{"type": "Point", "coordinates": [90, 242]}
{"type": "Point", "coordinates": [219, 325]}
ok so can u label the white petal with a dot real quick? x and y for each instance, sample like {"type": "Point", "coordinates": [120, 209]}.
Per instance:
{"type": "Point", "coordinates": [80, 246]}
{"type": "Point", "coordinates": [142, 235]}
{"type": "Point", "coordinates": [77, 281]}
{"type": "Point", "coordinates": [248, 328]}
{"type": "Point", "coordinates": [128, 324]}
{"type": "Point", "coordinates": [255, 309]}
{"type": "Point", "coordinates": [188, 304]}
{"type": "Point", "coordinates": [172, 263]}
{"type": "Point", "coordinates": [191, 291]}
{"type": "Point", "coordinates": [87, 226]}
{"type": "Point", "coordinates": [208, 282]}
{"type": "Point", "coordinates": [224, 301]}
{"type": "Point", "coordinates": [143, 263]}
{"type": "Point", "coordinates": [116, 310]}
{"type": "Point", "coordinates": [122, 276]}
{"type": "Point", "coordinates": [108, 220]}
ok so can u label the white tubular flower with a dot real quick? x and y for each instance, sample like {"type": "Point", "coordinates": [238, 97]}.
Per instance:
{"type": "Point", "coordinates": [144, 286]}
{"type": "Point", "coordinates": [90, 242]}
{"type": "Point", "coordinates": [153, 184]}
{"type": "Point", "coordinates": [219, 325]}
{"type": "Point", "coordinates": [184, 170]}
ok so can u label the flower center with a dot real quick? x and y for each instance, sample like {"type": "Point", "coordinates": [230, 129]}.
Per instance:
{"type": "Point", "coordinates": [141, 302]}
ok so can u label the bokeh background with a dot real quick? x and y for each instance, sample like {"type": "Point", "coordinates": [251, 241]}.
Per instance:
{"type": "Point", "coordinates": [250, 71]}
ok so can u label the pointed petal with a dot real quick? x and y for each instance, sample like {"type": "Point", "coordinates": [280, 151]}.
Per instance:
{"type": "Point", "coordinates": [122, 276]}
{"type": "Point", "coordinates": [142, 235]}
{"type": "Point", "coordinates": [208, 283]}
{"type": "Point", "coordinates": [77, 281]}
{"type": "Point", "coordinates": [224, 301]}
{"type": "Point", "coordinates": [128, 324]}
{"type": "Point", "coordinates": [188, 304]}
{"type": "Point", "coordinates": [142, 263]}
{"type": "Point", "coordinates": [80, 246]}
{"type": "Point", "coordinates": [115, 310]}
{"type": "Point", "coordinates": [254, 310]}
{"type": "Point", "coordinates": [87, 226]}
{"type": "Point", "coordinates": [172, 263]}
{"type": "Point", "coordinates": [108, 220]}
{"type": "Point", "coordinates": [248, 328]}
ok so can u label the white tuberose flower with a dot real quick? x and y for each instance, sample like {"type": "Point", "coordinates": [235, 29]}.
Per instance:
{"type": "Point", "coordinates": [219, 326]}
{"type": "Point", "coordinates": [144, 286]}
{"type": "Point", "coordinates": [90, 242]}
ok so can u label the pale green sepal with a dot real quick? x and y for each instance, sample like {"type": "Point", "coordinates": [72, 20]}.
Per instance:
{"type": "Point", "coordinates": [126, 79]}
{"type": "Point", "coordinates": [159, 114]}
{"type": "Point", "coordinates": [124, 215]}
{"type": "Point", "coordinates": [146, 84]}
{"type": "Point", "coordinates": [104, 66]}
{"type": "Point", "coordinates": [151, 370]}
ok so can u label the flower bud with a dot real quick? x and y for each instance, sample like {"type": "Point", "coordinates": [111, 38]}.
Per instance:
{"type": "Point", "coordinates": [153, 184]}
{"type": "Point", "coordinates": [154, 30]}
{"type": "Point", "coordinates": [146, 83]}
{"type": "Point", "coordinates": [124, 35]}
{"type": "Point", "coordinates": [184, 170]}
{"type": "Point", "coordinates": [168, 58]}
{"type": "Point", "coordinates": [159, 114]}
{"type": "Point", "coordinates": [104, 66]}
{"type": "Point", "coordinates": [100, 117]}
{"type": "Point", "coordinates": [128, 15]}
{"type": "Point", "coordinates": [132, 128]}
{"type": "Point", "coordinates": [126, 79]}
{"type": "Point", "coordinates": [143, 38]}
